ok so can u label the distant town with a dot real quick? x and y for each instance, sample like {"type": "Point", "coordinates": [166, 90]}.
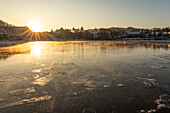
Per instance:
{"type": "Point", "coordinates": [10, 32]}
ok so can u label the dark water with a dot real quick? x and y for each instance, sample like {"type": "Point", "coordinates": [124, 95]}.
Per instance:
{"type": "Point", "coordinates": [85, 77]}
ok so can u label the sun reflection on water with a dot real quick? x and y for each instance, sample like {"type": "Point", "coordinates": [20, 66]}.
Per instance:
{"type": "Point", "coordinates": [36, 49]}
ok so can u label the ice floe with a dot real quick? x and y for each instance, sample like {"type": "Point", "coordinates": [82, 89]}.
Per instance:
{"type": "Point", "coordinates": [94, 81]}
{"type": "Point", "coordinates": [163, 102]}
{"type": "Point", "coordinates": [77, 93]}
{"type": "Point", "coordinates": [22, 91]}
{"type": "Point", "coordinates": [2, 100]}
{"type": "Point", "coordinates": [27, 101]}
{"type": "Point", "coordinates": [120, 85]}
{"type": "Point", "coordinates": [37, 70]}
{"type": "Point", "coordinates": [70, 68]}
{"type": "Point", "coordinates": [6, 74]}
{"type": "Point", "coordinates": [92, 84]}
{"type": "Point", "coordinates": [7, 80]}
{"type": "Point", "coordinates": [107, 86]}
{"type": "Point", "coordinates": [159, 67]}
{"type": "Point", "coordinates": [148, 82]}
{"type": "Point", "coordinates": [37, 99]}
{"type": "Point", "coordinates": [43, 80]}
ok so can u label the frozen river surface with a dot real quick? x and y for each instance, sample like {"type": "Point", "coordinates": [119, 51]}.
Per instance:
{"type": "Point", "coordinates": [85, 77]}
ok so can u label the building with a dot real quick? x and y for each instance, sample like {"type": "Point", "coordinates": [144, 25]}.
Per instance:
{"type": "Point", "coordinates": [18, 32]}
{"type": "Point", "coordinates": [15, 32]}
{"type": "Point", "coordinates": [75, 30]}
{"type": "Point", "coordinates": [132, 34]}
{"type": "Point", "coordinates": [3, 34]}
{"type": "Point", "coordinates": [60, 31]}
{"type": "Point", "coordinates": [94, 33]}
{"type": "Point", "coordinates": [164, 33]}
{"type": "Point", "coordinates": [82, 29]}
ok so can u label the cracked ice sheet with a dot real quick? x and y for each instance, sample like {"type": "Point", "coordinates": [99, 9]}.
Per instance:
{"type": "Point", "coordinates": [94, 81]}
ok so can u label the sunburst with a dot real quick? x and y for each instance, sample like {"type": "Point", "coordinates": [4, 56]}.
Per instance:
{"type": "Point", "coordinates": [35, 26]}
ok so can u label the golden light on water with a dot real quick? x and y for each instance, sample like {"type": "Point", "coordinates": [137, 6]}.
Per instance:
{"type": "Point", "coordinates": [35, 26]}
{"type": "Point", "coordinates": [36, 49]}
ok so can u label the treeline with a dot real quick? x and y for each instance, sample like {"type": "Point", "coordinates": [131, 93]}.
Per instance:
{"type": "Point", "coordinates": [69, 35]}
{"type": "Point", "coordinates": [5, 24]}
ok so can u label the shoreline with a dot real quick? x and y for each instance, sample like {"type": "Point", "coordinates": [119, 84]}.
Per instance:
{"type": "Point", "coordinates": [12, 43]}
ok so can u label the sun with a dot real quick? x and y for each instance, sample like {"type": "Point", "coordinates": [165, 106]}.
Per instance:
{"type": "Point", "coordinates": [35, 26]}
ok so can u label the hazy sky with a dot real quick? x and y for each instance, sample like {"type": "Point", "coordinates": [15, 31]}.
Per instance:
{"type": "Point", "coordinates": [87, 13]}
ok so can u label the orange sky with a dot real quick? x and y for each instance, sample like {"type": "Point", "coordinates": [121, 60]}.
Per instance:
{"type": "Point", "coordinates": [53, 14]}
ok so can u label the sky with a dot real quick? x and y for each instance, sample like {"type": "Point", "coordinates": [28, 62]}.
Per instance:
{"type": "Point", "coordinates": [54, 14]}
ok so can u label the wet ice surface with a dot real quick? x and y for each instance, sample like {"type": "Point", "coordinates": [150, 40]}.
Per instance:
{"type": "Point", "coordinates": [87, 77]}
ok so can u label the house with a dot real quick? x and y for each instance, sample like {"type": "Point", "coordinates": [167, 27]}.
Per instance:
{"type": "Point", "coordinates": [105, 35]}
{"type": "Point", "coordinates": [132, 34]}
{"type": "Point", "coordinates": [82, 30]}
{"type": "Point", "coordinates": [94, 33]}
{"type": "Point", "coordinates": [15, 32]}
{"type": "Point", "coordinates": [75, 30]}
{"type": "Point", "coordinates": [164, 33]}
{"type": "Point", "coordinates": [3, 34]}
{"type": "Point", "coordinates": [59, 31]}
{"type": "Point", "coordinates": [116, 34]}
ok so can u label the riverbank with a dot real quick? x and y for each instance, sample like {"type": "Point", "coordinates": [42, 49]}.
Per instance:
{"type": "Point", "coordinates": [10, 43]}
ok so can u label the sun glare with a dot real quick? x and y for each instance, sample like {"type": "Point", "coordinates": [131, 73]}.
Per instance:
{"type": "Point", "coordinates": [36, 49]}
{"type": "Point", "coordinates": [35, 26]}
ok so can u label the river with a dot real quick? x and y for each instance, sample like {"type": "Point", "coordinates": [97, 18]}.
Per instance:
{"type": "Point", "coordinates": [85, 77]}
